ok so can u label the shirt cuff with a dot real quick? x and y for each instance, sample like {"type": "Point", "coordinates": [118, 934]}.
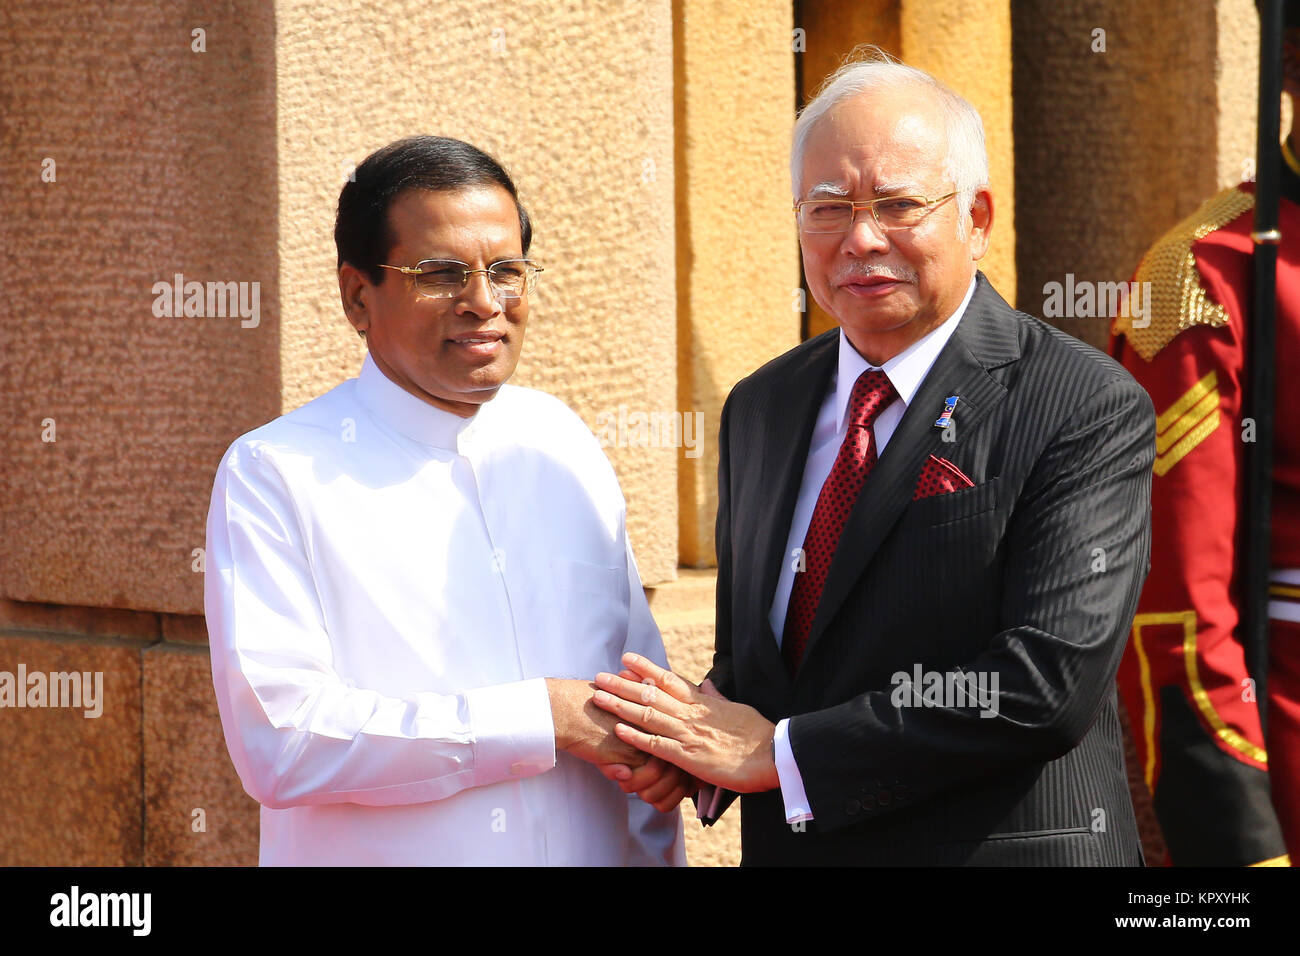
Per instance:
{"type": "Point", "coordinates": [514, 734]}
{"type": "Point", "coordinates": [787, 771]}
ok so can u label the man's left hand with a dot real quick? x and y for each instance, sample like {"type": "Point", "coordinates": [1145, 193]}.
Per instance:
{"type": "Point", "coordinates": [656, 781]}
{"type": "Point", "coordinates": [717, 741]}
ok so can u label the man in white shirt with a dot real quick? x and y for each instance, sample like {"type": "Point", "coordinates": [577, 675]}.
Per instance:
{"type": "Point", "coordinates": [410, 577]}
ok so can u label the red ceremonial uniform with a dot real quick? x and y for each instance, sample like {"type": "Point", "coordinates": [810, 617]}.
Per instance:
{"type": "Point", "coordinates": [1223, 794]}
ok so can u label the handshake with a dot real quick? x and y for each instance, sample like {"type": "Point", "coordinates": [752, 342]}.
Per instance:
{"type": "Point", "coordinates": [660, 736]}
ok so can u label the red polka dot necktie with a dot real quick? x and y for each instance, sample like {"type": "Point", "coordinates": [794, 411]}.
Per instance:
{"type": "Point", "coordinates": [872, 393]}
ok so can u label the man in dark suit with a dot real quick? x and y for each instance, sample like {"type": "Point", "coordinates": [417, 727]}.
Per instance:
{"type": "Point", "coordinates": [933, 527]}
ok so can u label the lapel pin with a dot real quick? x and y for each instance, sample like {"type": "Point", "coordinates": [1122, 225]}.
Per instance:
{"type": "Point", "coordinates": [945, 419]}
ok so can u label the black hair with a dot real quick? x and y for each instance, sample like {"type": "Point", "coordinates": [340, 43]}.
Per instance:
{"type": "Point", "coordinates": [437, 163]}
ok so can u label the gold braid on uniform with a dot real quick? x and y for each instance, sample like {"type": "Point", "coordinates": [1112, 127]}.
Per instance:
{"type": "Point", "coordinates": [1177, 300]}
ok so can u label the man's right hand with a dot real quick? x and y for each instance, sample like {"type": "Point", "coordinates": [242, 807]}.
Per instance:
{"type": "Point", "coordinates": [586, 731]}
{"type": "Point", "coordinates": [658, 782]}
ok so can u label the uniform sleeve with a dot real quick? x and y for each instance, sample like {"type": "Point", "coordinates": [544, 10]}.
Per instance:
{"type": "Point", "coordinates": [1195, 383]}
{"type": "Point", "coordinates": [655, 838]}
{"type": "Point", "coordinates": [297, 733]}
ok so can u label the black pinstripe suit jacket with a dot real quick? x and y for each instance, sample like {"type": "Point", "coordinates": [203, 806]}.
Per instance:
{"type": "Point", "coordinates": [1033, 575]}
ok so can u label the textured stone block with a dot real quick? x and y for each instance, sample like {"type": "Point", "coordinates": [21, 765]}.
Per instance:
{"type": "Point", "coordinates": [1114, 147]}
{"type": "Point", "coordinates": [197, 812]}
{"type": "Point", "coordinates": [78, 621]}
{"type": "Point", "coordinates": [185, 628]}
{"type": "Point", "coordinates": [164, 163]}
{"type": "Point", "coordinates": [70, 784]}
{"type": "Point", "coordinates": [737, 253]}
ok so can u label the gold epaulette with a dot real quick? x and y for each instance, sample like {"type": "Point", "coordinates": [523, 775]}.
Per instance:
{"type": "Point", "coordinates": [1177, 300]}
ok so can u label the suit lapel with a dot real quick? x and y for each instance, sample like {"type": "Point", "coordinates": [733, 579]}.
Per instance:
{"type": "Point", "coordinates": [784, 442]}
{"type": "Point", "coordinates": [986, 337]}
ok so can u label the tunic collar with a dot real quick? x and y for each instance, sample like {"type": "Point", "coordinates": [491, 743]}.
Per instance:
{"type": "Point", "coordinates": [411, 416]}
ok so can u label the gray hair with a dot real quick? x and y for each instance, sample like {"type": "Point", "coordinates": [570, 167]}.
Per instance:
{"type": "Point", "coordinates": [966, 164]}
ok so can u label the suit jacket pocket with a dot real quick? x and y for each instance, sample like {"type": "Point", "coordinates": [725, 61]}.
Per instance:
{"type": "Point", "coordinates": [953, 506]}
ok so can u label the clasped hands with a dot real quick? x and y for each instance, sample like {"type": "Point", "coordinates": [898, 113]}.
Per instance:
{"type": "Point", "coordinates": [669, 736]}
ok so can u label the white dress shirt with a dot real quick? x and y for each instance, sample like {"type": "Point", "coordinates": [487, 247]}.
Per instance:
{"type": "Point", "coordinates": [906, 371]}
{"type": "Point", "coordinates": [388, 584]}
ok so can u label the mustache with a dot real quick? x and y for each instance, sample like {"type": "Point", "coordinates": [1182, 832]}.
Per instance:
{"type": "Point", "coordinates": [899, 273]}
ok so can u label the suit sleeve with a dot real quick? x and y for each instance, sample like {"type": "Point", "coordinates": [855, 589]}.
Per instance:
{"type": "Point", "coordinates": [721, 672]}
{"type": "Point", "coordinates": [1077, 549]}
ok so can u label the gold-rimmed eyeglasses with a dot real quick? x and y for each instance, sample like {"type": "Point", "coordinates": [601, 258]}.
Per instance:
{"type": "Point", "coordinates": [446, 278]}
{"type": "Point", "coordinates": [827, 216]}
